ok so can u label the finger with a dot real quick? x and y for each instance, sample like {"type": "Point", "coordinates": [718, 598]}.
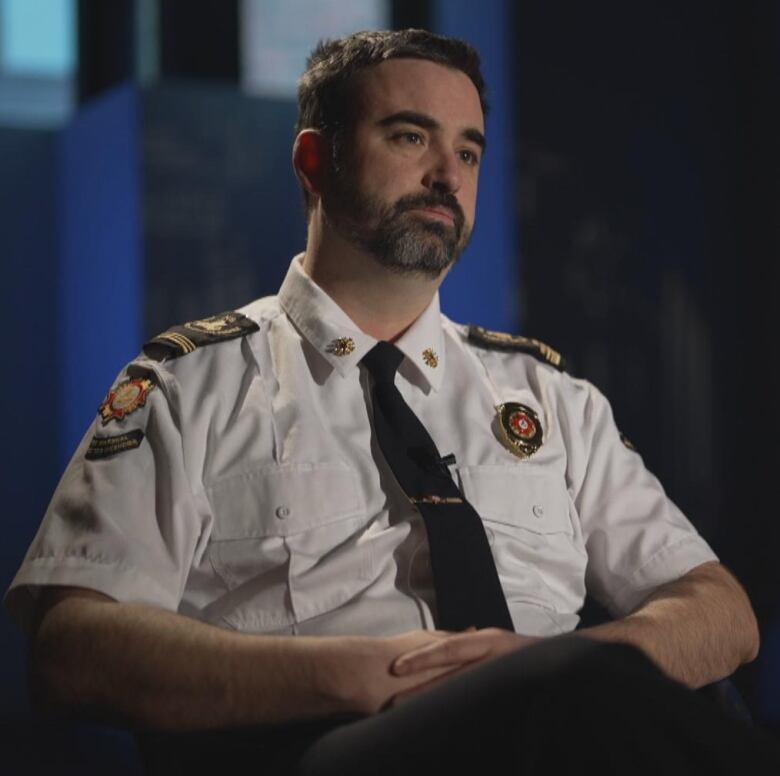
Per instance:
{"type": "Point", "coordinates": [410, 692]}
{"type": "Point", "coordinates": [462, 648]}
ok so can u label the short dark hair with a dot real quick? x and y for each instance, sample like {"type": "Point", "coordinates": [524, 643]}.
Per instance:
{"type": "Point", "coordinates": [325, 87]}
{"type": "Point", "coordinates": [325, 90]}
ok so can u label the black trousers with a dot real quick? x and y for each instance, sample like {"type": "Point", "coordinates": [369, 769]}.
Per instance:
{"type": "Point", "coordinates": [557, 706]}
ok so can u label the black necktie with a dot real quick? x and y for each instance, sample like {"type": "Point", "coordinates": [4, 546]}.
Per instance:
{"type": "Point", "coordinates": [468, 591]}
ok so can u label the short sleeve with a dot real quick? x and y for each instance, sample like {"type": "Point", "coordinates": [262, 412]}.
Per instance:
{"type": "Point", "coordinates": [635, 536]}
{"type": "Point", "coordinates": [123, 520]}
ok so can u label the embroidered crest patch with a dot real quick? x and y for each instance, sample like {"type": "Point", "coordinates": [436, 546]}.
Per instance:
{"type": "Point", "coordinates": [125, 399]}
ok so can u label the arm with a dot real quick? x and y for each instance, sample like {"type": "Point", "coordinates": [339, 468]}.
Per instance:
{"type": "Point", "coordinates": [697, 629]}
{"type": "Point", "coordinates": [147, 667]}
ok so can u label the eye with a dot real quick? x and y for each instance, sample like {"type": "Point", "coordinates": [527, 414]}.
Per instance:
{"type": "Point", "coordinates": [469, 157]}
{"type": "Point", "coordinates": [409, 138]}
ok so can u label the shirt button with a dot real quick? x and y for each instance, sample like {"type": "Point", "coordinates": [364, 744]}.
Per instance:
{"type": "Point", "coordinates": [282, 512]}
{"type": "Point", "coordinates": [538, 510]}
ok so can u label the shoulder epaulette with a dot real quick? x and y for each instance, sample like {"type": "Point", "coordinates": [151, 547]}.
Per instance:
{"type": "Point", "coordinates": [180, 340]}
{"type": "Point", "coordinates": [499, 340]}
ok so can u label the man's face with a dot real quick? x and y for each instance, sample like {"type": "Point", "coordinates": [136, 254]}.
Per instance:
{"type": "Point", "coordinates": [404, 186]}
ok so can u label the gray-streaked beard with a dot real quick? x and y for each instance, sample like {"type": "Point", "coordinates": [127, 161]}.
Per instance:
{"type": "Point", "coordinates": [404, 244]}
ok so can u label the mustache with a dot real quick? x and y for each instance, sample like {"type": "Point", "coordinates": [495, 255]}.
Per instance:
{"type": "Point", "coordinates": [433, 199]}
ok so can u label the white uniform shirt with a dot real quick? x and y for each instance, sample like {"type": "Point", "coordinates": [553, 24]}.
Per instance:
{"type": "Point", "coordinates": [258, 500]}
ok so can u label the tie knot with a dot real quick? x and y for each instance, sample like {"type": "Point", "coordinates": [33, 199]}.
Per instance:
{"type": "Point", "coordinates": [383, 361]}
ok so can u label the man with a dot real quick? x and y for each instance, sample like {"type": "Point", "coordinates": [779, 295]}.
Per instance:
{"type": "Point", "coordinates": [234, 546]}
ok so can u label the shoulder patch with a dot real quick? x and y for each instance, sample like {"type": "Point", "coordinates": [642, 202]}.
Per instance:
{"type": "Point", "coordinates": [499, 340]}
{"type": "Point", "coordinates": [180, 340]}
{"type": "Point", "coordinates": [105, 447]}
{"type": "Point", "coordinates": [124, 399]}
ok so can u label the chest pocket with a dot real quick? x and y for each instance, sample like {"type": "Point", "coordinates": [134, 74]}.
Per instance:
{"type": "Point", "coordinates": [535, 540]}
{"type": "Point", "coordinates": [286, 544]}
{"type": "Point", "coordinates": [518, 497]}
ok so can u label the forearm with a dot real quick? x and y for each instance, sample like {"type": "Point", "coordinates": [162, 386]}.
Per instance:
{"type": "Point", "coordinates": [149, 668]}
{"type": "Point", "coordinates": [697, 629]}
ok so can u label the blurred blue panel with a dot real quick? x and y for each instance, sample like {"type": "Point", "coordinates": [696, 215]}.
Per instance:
{"type": "Point", "coordinates": [38, 37]}
{"type": "Point", "coordinates": [484, 287]}
{"type": "Point", "coordinates": [223, 211]}
{"type": "Point", "coordinates": [30, 401]}
{"type": "Point", "coordinates": [101, 256]}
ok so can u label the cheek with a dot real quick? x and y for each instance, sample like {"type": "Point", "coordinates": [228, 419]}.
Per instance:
{"type": "Point", "coordinates": [379, 178]}
{"type": "Point", "coordinates": [469, 202]}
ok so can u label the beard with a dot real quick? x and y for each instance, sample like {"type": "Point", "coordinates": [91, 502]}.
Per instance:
{"type": "Point", "coordinates": [402, 242]}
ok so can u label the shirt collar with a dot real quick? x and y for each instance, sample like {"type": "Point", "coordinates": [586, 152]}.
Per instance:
{"type": "Point", "coordinates": [342, 344]}
{"type": "Point", "coordinates": [423, 344]}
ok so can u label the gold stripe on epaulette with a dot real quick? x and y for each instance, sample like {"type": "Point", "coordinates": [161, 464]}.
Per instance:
{"type": "Point", "coordinates": [553, 356]}
{"type": "Point", "coordinates": [499, 339]}
{"type": "Point", "coordinates": [185, 343]}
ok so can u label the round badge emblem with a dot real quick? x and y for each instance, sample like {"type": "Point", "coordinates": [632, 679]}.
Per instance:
{"type": "Point", "coordinates": [521, 431]}
{"type": "Point", "coordinates": [522, 424]}
{"type": "Point", "coordinates": [126, 398]}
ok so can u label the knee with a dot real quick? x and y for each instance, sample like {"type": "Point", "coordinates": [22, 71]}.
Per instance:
{"type": "Point", "coordinates": [577, 672]}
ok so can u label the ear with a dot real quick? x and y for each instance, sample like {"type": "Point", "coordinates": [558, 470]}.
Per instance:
{"type": "Point", "coordinates": [309, 155]}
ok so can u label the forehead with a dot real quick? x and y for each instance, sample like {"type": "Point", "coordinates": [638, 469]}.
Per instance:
{"type": "Point", "coordinates": [419, 85]}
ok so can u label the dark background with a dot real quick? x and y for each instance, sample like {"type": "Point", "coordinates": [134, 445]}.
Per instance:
{"type": "Point", "coordinates": [649, 217]}
{"type": "Point", "coordinates": [644, 166]}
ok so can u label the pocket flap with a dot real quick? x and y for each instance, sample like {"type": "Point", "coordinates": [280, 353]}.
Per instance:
{"type": "Point", "coordinates": [531, 499]}
{"type": "Point", "coordinates": [283, 500]}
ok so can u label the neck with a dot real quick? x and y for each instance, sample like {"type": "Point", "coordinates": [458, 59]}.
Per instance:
{"type": "Point", "coordinates": [382, 303]}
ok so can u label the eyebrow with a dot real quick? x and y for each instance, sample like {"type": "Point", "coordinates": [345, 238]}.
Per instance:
{"type": "Point", "coordinates": [427, 122]}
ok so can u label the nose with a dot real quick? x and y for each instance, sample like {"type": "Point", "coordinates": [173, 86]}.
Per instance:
{"type": "Point", "coordinates": [443, 171]}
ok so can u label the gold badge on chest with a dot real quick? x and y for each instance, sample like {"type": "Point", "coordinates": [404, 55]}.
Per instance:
{"type": "Point", "coordinates": [519, 429]}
